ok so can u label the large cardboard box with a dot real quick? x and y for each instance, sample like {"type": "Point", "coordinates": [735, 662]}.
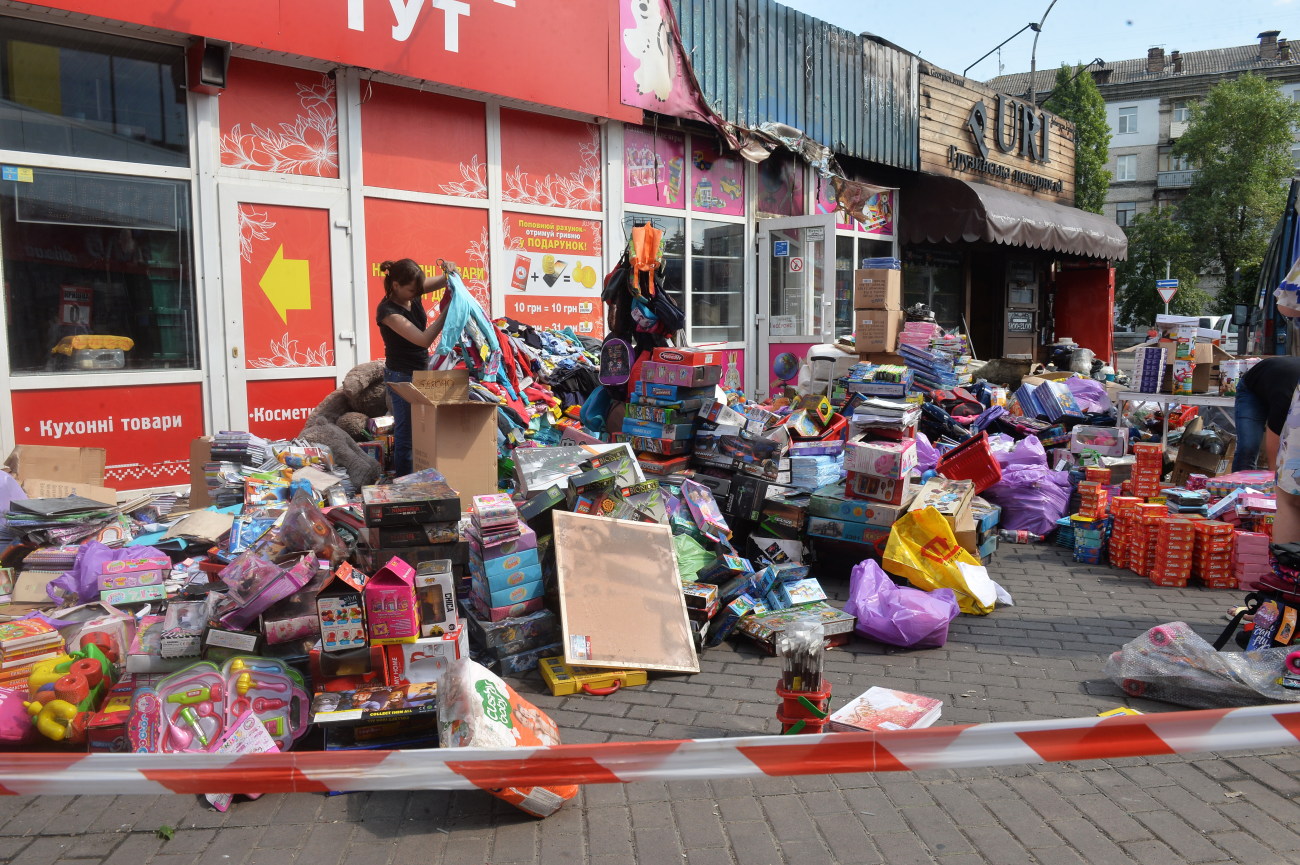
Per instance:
{"type": "Point", "coordinates": [200, 454]}
{"type": "Point", "coordinates": [877, 330]}
{"type": "Point", "coordinates": [878, 289]}
{"type": "Point", "coordinates": [47, 471]}
{"type": "Point", "coordinates": [450, 432]}
{"type": "Point", "coordinates": [953, 500]}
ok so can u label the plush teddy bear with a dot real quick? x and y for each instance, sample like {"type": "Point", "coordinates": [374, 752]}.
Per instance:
{"type": "Point", "coordinates": [339, 420]}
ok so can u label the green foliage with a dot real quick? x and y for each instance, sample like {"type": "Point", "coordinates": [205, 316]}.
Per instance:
{"type": "Point", "coordinates": [1077, 99]}
{"type": "Point", "coordinates": [165, 833]}
{"type": "Point", "coordinates": [1155, 238]}
{"type": "Point", "coordinates": [1239, 139]}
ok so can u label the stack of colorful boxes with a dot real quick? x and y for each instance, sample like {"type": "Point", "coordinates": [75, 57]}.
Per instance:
{"type": "Point", "coordinates": [1094, 500]}
{"type": "Point", "coordinates": [506, 575]}
{"type": "Point", "coordinates": [1141, 553]}
{"type": "Point", "coordinates": [1175, 547]}
{"type": "Point", "coordinates": [1148, 468]}
{"type": "Point", "coordinates": [1124, 528]}
{"type": "Point", "coordinates": [1089, 538]}
{"type": "Point", "coordinates": [1250, 561]}
{"type": "Point", "coordinates": [659, 420]}
{"type": "Point", "coordinates": [1212, 561]}
{"type": "Point", "coordinates": [1257, 511]}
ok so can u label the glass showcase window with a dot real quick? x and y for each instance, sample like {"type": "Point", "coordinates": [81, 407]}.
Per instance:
{"type": "Point", "coordinates": [76, 93]}
{"type": "Point", "coordinates": [674, 229]}
{"type": "Point", "coordinates": [717, 282]}
{"type": "Point", "coordinates": [97, 255]}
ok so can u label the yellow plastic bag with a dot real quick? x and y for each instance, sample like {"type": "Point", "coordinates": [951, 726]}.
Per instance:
{"type": "Point", "coordinates": [923, 550]}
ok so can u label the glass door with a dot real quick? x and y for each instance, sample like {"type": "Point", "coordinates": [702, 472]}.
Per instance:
{"type": "Point", "coordinates": [796, 299]}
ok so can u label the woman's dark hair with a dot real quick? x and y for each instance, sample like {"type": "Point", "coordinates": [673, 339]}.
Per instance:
{"type": "Point", "coordinates": [399, 273]}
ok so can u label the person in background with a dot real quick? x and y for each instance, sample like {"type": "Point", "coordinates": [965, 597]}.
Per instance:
{"type": "Point", "coordinates": [407, 334]}
{"type": "Point", "coordinates": [1286, 524]}
{"type": "Point", "coordinates": [1263, 397]}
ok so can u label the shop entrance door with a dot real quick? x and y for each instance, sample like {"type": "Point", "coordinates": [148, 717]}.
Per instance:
{"type": "Point", "coordinates": [289, 321]}
{"type": "Point", "coordinates": [796, 296]}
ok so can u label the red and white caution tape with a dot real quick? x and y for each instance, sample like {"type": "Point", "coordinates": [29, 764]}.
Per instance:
{"type": "Point", "coordinates": [1018, 742]}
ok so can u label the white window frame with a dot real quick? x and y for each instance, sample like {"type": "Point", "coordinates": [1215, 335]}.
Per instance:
{"type": "Point", "coordinates": [1181, 110]}
{"type": "Point", "coordinates": [1127, 159]}
{"type": "Point", "coordinates": [1126, 122]}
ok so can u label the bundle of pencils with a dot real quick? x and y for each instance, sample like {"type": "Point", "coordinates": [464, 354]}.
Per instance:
{"type": "Point", "coordinates": [802, 649]}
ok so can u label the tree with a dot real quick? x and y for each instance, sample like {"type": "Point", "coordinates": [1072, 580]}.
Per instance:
{"type": "Point", "coordinates": [1239, 139]}
{"type": "Point", "coordinates": [1155, 238]}
{"type": "Point", "coordinates": [1077, 99]}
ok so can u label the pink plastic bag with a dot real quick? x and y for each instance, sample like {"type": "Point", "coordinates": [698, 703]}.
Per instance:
{"type": "Point", "coordinates": [898, 615]}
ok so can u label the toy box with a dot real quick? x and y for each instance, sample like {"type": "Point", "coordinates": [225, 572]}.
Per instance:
{"type": "Point", "coordinates": [417, 535]}
{"type": "Point", "coordinates": [425, 659]}
{"type": "Point", "coordinates": [688, 356]}
{"type": "Point", "coordinates": [704, 510]}
{"type": "Point", "coordinates": [410, 504]}
{"type": "Point", "coordinates": [882, 459]}
{"type": "Point", "coordinates": [500, 566]}
{"type": "Point", "coordinates": [855, 533]}
{"type": "Point", "coordinates": [499, 614]}
{"type": "Point", "coordinates": [106, 729]}
{"type": "Point", "coordinates": [650, 429]}
{"type": "Point", "coordinates": [685, 375]}
{"type": "Point", "coordinates": [499, 580]}
{"type": "Point", "coordinates": [511, 635]}
{"type": "Point", "coordinates": [527, 540]}
{"type": "Point", "coordinates": [435, 597]}
{"type": "Point", "coordinates": [564, 679]}
{"type": "Point", "coordinates": [340, 609]}
{"type": "Point", "coordinates": [134, 581]}
{"type": "Point", "coordinates": [183, 628]}
{"type": "Point", "coordinates": [829, 501]}
{"type": "Point", "coordinates": [508, 595]}
{"type": "Point", "coordinates": [890, 491]}
{"type": "Point", "coordinates": [389, 598]}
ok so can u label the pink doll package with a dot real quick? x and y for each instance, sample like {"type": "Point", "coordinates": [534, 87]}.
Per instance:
{"type": "Point", "coordinates": [389, 597]}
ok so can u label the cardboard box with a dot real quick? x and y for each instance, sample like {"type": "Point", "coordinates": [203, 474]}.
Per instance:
{"type": "Point", "coordinates": [680, 374]}
{"type": "Point", "coordinates": [435, 597]}
{"type": "Point", "coordinates": [877, 330]}
{"type": "Point", "coordinates": [425, 659]}
{"type": "Point", "coordinates": [952, 499]}
{"type": "Point", "coordinates": [450, 432]}
{"type": "Point", "coordinates": [878, 289]}
{"type": "Point", "coordinates": [688, 356]}
{"type": "Point", "coordinates": [882, 459]}
{"type": "Point", "coordinates": [47, 471]}
{"type": "Point", "coordinates": [389, 598]}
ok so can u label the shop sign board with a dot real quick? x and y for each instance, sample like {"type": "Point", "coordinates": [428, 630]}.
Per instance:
{"type": "Point", "coordinates": [973, 133]}
{"type": "Point", "coordinates": [560, 54]}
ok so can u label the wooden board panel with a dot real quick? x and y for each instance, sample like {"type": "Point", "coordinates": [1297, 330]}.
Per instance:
{"type": "Point", "coordinates": [621, 601]}
{"type": "Point", "coordinates": [945, 104]}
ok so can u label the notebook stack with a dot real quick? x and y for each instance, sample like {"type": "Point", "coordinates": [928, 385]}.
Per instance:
{"type": "Point", "coordinates": [22, 645]}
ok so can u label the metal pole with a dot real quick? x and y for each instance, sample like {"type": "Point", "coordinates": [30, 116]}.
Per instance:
{"type": "Point", "coordinates": [1032, 96]}
{"type": "Point", "coordinates": [1166, 277]}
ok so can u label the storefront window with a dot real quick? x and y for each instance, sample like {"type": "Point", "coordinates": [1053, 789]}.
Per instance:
{"type": "Point", "coordinates": [674, 229]}
{"type": "Point", "coordinates": [781, 185]}
{"type": "Point", "coordinates": [71, 92]}
{"type": "Point", "coordinates": [717, 282]}
{"type": "Point", "coordinates": [97, 255]}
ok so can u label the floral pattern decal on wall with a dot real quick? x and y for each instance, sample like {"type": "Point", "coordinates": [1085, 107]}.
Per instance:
{"type": "Point", "coordinates": [284, 352]}
{"type": "Point", "coordinates": [480, 288]}
{"type": "Point", "coordinates": [309, 145]}
{"type": "Point", "coordinates": [473, 183]}
{"type": "Point", "coordinates": [579, 190]}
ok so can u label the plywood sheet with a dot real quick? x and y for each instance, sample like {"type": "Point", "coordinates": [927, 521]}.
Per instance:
{"type": "Point", "coordinates": [621, 601]}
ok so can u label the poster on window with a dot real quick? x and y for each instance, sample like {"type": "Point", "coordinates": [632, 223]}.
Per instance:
{"type": "Point", "coordinates": [879, 210]}
{"type": "Point", "coordinates": [654, 167]}
{"type": "Point", "coordinates": [717, 181]}
{"type": "Point", "coordinates": [74, 305]}
{"type": "Point", "coordinates": [555, 272]}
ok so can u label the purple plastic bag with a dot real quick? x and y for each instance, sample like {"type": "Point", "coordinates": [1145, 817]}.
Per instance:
{"type": "Point", "coordinates": [1032, 498]}
{"type": "Point", "coordinates": [927, 457]}
{"type": "Point", "coordinates": [898, 615]}
{"type": "Point", "coordinates": [1090, 394]}
{"type": "Point", "coordinates": [81, 584]}
{"type": "Point", "coordinates": [1028, 452]}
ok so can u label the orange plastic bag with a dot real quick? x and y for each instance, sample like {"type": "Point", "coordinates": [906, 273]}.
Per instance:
{"type": "Point", "coordinates": [923, 549]}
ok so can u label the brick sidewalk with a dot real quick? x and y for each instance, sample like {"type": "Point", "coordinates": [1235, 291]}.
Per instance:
{"type": "Point", "coordinates": [1039, 659]}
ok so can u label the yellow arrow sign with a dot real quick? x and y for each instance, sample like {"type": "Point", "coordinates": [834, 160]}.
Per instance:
{"type": "Point", "coordinates": [287, 284]}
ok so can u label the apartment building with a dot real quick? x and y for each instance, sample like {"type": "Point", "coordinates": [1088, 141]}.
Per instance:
{"type": "Point", "coordinates": [1147, 106]}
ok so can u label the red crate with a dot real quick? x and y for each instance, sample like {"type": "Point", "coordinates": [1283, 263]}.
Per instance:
{"type": "Point", "coordinates": [972, 460]}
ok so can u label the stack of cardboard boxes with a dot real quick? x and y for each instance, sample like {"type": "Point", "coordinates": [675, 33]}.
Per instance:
{"type": "Point", "coordinates": [877, 311]}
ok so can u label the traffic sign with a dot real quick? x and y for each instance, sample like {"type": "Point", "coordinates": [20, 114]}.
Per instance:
{"type": "Point", "coordinates": [780, 248]}
{"type": "Point", "coordinates": [1166, 283]}
{"type": "Point", "coordinates": [1167, 294]}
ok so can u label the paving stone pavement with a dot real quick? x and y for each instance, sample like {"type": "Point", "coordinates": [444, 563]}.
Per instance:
{"type": "Point", "coordinates": [1038, 659]}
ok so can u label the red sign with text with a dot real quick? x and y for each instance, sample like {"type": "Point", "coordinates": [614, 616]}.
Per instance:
{"type": "Point", "coordinates": [146, 430]}
{"type": "Point", "coordinates": [561, 54]}
{"type": "Point", "coordinates": [278, 409]}
{"type": "Point", "coordinates": [555, 272]}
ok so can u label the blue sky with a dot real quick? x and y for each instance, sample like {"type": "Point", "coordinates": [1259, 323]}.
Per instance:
{"type": "Point", "coordinates": [953, 35]}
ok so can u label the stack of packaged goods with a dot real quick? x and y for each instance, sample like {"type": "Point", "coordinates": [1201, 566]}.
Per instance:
{"type": "Point", "coordinates": [511, 643]}
{"type": "Point", "coordinates": [1212, 562]}
{"type": "Point", "coordinates": [23, 644]}
{"type": "Point", "coordinates": [1250, 559]}
{"type": "Point", "coordinates": [1148, 369]}
{"type": "Point", "coordinates": [1257, 511]}
{"type": "Point", "coordinates": [665, 402]}
{"type": "Point", "coordinates": [877, 309]}
{"type": "Point", "coordinates": [413, 521]}
{"type": "Point", "coordinates": [1148, 468]}
{"type": "Point", "coordinates": [1094, 500]}
{"type": "Point", "coordinates": [1141, 553]}
{"type": "Point", "coordinates": [1224, 485]}
{"type": "Point", "coordinates": [1175, 547]}
{"type": "Point", "coordinates": [1065, 535]}
{"type": "Point", "coordinates": [987, 518]}
{"type": "Point", "coordinates": [505, 571]}
{"type": "Point", "coordinates": [834, 515]}
{"type": "Point", "coordinates": [233, 457]}
{"type": "Point", "coordinates": [884, 418]}
{"type": "Point", "coordinates": [1089, 538]}
{"type": "Point", "coordinates": [1185, 502]}
{"type": "Point", "coordinates": [1124, 528]}
{"type": "Point", "coordinates": [878, 468]}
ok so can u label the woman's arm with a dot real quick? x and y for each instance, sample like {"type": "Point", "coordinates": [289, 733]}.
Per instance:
{"type": "Point", "coordinates": [402, 326]}
{"type": "Point", "coordinates": [433, 283]}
